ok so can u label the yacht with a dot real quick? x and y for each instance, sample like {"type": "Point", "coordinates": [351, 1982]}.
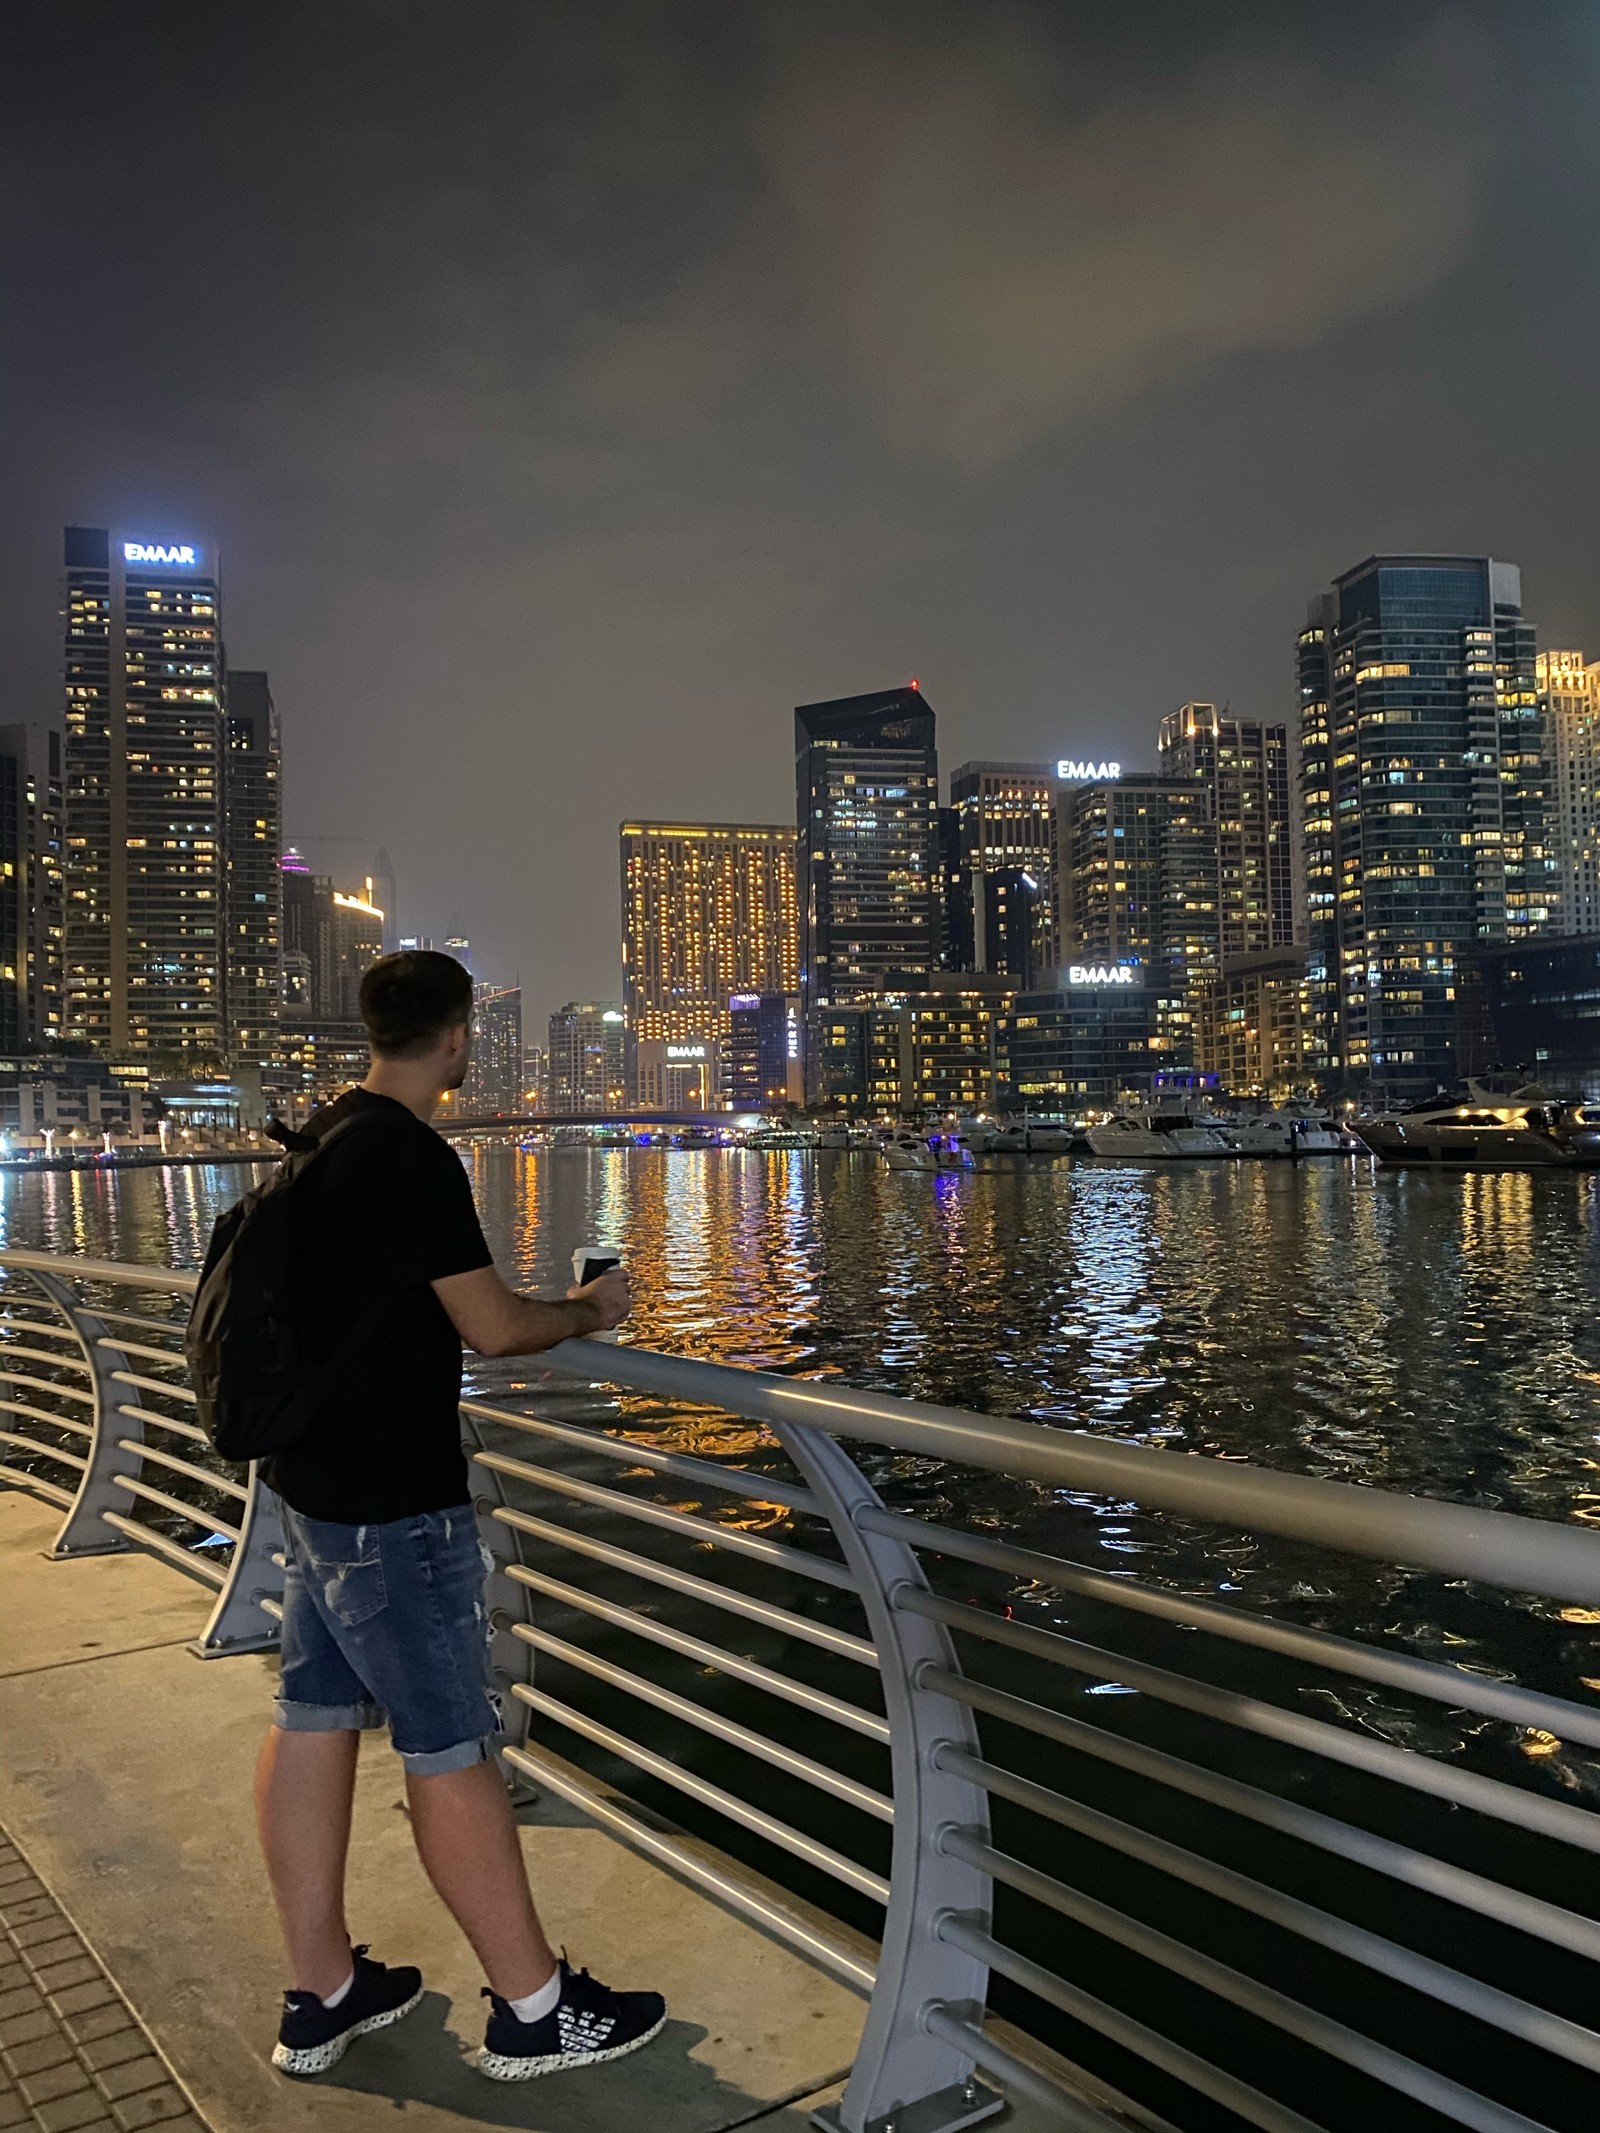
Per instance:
{"type": "Point", "coordinates": [772, 1135]}
{"type": "Point", "coordinates": [1034, 1136]}
{"type": "Point", "coordinates": [1158, 1136]}
{"type": "Point", "coordinates": [1289, 1132]}
{"type": "Point", "coordinates": [902, 1149]}
{"type": "Point", "coordinates": [834, 1133]}
{"type": "Point", "coordinates": [1489, 1122]}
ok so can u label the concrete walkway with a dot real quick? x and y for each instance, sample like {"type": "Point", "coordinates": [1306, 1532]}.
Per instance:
{"type": "Point", "coordinates": [125, 1767]}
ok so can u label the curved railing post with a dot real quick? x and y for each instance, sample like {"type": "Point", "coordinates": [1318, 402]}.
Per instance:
{"type": "Point", "coordinates": [239, 1622]}
{"type": "Point", "coordinates": [511, 1658]}
{"type": "Point", "coordinates": [83, 1531]}
{"type": "Point", "coordinates": [903, 2073]}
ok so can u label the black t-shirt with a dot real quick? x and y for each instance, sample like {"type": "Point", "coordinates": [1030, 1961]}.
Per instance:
{"type": "Point", "coordinates": [379, 1217]}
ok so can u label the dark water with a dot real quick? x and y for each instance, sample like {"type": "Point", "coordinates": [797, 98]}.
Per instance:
{"type": "Point", "coordinates": [1416, 1331]}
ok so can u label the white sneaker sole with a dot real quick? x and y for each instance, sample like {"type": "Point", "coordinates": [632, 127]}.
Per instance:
{"type": "Point", "coordinates": [500, 2068]}
{"type": "Point", "coordinates": [317, 2058]}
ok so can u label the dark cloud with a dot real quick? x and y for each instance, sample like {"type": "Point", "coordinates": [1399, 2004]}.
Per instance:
{"type": "Point", "coordinates": [572, 390]}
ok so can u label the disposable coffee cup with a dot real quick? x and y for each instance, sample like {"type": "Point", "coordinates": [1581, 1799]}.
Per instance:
{"type": "Point", "coordinates": [589, 1262]}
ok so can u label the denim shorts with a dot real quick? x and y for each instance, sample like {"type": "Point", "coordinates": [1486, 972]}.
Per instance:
{"type": "Point", "coordinates": [390, 1621]}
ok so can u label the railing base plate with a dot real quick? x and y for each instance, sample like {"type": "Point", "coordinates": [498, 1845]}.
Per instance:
{"type": "Point", "coordinates": [946, 2111]}
{"type": "Point", "coordinates": [236, 1648]}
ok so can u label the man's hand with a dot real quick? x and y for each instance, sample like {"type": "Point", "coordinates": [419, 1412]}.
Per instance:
{"type": "Point", "coordinates": [495, 1320]}
{"type": "Point", "coordinates": [609, 1295]}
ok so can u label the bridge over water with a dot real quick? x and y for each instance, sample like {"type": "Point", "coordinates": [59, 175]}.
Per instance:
{"type": "Point", "coordinates": [915, 1824]}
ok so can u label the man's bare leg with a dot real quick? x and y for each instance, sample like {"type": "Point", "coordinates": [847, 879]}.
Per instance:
{"type": "Point", "coordinates": [467, 1837]}
{"type": "Point", "coordinates": [305, 1783]}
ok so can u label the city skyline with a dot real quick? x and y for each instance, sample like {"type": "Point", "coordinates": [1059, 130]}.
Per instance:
{"type": "Point", "coordinates": [553, 450]}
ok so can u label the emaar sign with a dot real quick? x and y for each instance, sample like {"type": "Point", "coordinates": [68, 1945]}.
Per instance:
{"type": "Point", "coordinates": [1071, 772]}
{"type": "Point", "coordinates": [1100, 974]}
{"type": "Point", "coordinates": [153, 552]}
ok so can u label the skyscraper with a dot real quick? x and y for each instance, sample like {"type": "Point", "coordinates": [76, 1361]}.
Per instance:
{"type": "Point", "coordinates": [1423, 803]}
{"type": "Point", "coordinates": [388, 899]}
{"type": "Point", "coordinates": [252, 846]}
{"type": "Point", "coordinates": [494, 1081]}
{"type": "Point", "coordinates": [143, 796]}
{"type": "Point", "coordinates": [708, 910]}
{"type": "Point", "coordinates": [1006, 823]}
{"type": "Point", "coordinates": [866, 794]}
{"type": "Point", "coordinates": [1569, 693]}
{"type": "Point", "coordinates": [30, 887]}
{"type": "Point", "coordinates": [1137, 879]}
{"type": "Point", "coordinates": [1243, 764]}
{"type": "Point", "coordinates": [586, 1066]}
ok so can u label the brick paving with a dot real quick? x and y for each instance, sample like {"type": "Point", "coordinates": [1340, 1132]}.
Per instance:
{"type": "Point", "coordinates": [72, 2053]}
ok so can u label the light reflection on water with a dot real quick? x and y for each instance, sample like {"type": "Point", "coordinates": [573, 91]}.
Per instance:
{"type": "Point", "coordinates": [1420, 1332]}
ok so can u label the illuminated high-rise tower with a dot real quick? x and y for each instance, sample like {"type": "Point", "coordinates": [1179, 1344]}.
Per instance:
{"type": "Point", "coordinates": [708, 912]}
{"type": "Point", "coordinates": [143, 801]}
{"type": "Point", "coordinates": [867, 809]}
{"type": "Point", "coordinates": [1423, 803]}
{"type": "Point", "coordinates": [1569, 690]}
{"type": "Point", "coordinates": [252, 878]}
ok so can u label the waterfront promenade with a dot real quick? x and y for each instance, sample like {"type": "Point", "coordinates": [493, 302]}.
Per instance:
{"type": "Point", "coordinates": [125, 1766]}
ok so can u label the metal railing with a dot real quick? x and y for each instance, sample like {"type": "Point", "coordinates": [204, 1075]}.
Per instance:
{"type": "Point", "coordinates": [1228, 1894]}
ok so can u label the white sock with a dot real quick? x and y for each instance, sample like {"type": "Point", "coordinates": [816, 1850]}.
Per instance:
{"type": "Point", "coordinates": [534, 2006]}
{"type": "Point", "coordinates": [332, 1999]}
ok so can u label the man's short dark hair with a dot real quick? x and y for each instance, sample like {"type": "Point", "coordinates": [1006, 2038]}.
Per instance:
{"type": "Point", "coordinates": [409, 1000]}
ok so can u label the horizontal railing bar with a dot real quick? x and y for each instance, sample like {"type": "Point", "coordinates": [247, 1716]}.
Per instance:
{"type": "Point", "coordinates": [822, 1856]}
{"type": "Point", "coordinates": [43, 1414]}
{"type": "Point", "coordinates": [139, 1318]}
{"type": "Point", "coordinates": [1422, 2083]}
{"type": "Point", "coordinates": [183, 1466]}
{"type": "Point", "coordinates": [805, 1767]}
{"type": "Point", "coordinates": [42, 1355]}
{"type": "Point", "coordinates": [182, 1558]}
{"type": "Point", "coordinates": [174, 1280]}
{"type": "Point", "coordinates": [165, 1385]}
{"type": "Point", "coordinates": [798, 1560]}
{"type": "Point", "coordinates": [45, 1451]}
{"type": "Point", "coordinates": [817, 1701]}
{"type": "Point", "coordinates": [1486, 2003]}
{"type": "Point", "coordinates": [1419, 1870]}
{"type": "Point", "coordinates": [1403, 1766]}
{"type": "Point", "coordinates": [1496, 1547]}
{"type": "Point", "coordinates": [17, 1478]}
{"type": "Point", "coordinates": [1065, 2109]}
{"type": "Point", "coordinates": [811, 1941]}
{"type": "Point", "coordinates": [63, 1392]}
{"type": "Point", "coordinates": [736, 1481]}
{"type": "Point", "coordinates": [191, 1430]}
{"type": "Point", "coordinates": [768, 1613]}
{"type": "Point", "coordinates": [190, 1511]}
{"type": "Point", "coordinates": [56, 1329]}
{"type": "Point", "coordinates": [1454, 1685]}
{"type": "Point", "coordinates": [156, 1355]}
{"type": "Point", "coordinates": [1147, 2044]}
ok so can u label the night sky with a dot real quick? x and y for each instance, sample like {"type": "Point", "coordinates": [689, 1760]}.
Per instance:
{"type": "Point", "coordinates": [573, 389]}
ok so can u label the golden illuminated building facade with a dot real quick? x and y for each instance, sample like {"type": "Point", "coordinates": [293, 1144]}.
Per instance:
{"type": "Point", "coordinates": [142, 806]}
{"type": "Point", "coordinates": [1569, 692]}
{"type": "Point", "coordinates": [1255, 1031]}
{"type": "Point", "coordinates": [708, 911]}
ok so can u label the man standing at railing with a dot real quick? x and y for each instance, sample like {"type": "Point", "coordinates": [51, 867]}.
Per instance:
{"type": "Point", "coordinates": [383, 1607]}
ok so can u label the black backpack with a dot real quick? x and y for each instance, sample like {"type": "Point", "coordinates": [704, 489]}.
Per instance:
{"type": "Point", "coordinates": [248, 1344]}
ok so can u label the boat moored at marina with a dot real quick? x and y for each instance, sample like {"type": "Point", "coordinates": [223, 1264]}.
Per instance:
{"type": "Point", "coordinates": [1158, 1136]}
{"type": "Point", "coordinates": [1288, 1132]}
{"type": "Point", "coordinates": [1490, 1123]}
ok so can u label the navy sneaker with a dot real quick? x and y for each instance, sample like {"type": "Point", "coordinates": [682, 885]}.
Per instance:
{"type": "Point", "coordinates": [311, 2037]}
{"type": "Point", "coordinates": [588, 2024]}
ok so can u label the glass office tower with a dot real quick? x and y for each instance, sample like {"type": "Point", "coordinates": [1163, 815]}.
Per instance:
{"type": "Point", "coordinates": [252, 869]}
{"type": "Point", "coordinates": [866, 795]}
{"type": "Point", "coordinates": [142, 806]}
{"type": "Point", "coordinates": [1423, 804]}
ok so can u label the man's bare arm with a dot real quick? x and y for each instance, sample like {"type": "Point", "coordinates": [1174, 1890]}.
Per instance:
{"type": "Point", "coordinates": [495, 1320]}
